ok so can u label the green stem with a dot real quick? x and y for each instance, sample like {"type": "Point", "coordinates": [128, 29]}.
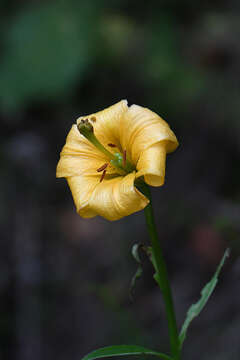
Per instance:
{"type": "Point", "coordinates": [161, 272]}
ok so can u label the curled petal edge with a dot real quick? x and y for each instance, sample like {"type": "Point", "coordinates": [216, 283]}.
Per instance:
{"type": "Point", "coordinates": [112, 199]}
{"type": "Point", "coordinates": [152, 164]}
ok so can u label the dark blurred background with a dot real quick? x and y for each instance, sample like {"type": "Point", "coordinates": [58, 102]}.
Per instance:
{"type": "Point", "coordinates": [64, 281]}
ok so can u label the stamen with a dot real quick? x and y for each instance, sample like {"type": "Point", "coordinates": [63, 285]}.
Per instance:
{"type": "Point", "coordinates": [124, 158]}
{"type": "Point", "coordinates": [119, 161]}
{"type": "Point", "coordinates": [103, 175]}
{"type": "Point", "coordinates": [93, 118]}
{"type": "Point", "coordinates": [103, 167]}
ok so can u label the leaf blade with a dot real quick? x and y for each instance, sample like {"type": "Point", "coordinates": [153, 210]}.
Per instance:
{"type": "Point", "coordinates": [139, 271]}
{"type": "Point", "coordinates": [121, 350]}
{"type": "Point", "coordinates": [206, 292]}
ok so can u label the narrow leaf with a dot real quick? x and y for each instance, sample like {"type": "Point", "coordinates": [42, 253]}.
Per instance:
{"type": "Point", "coordinates": [136, 276]}
{"type": "Point", "coordinates": [153, 261]}
{"type": "Point", "coordinates": [122, 350]}
{"type": "Point", "coordinates": [135, 254]}
{"type": "Point", "coordinates": [138, 273]}
{"type": "Point", "coordinates": [206, 292]}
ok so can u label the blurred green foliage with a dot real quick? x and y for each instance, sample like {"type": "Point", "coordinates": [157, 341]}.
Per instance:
{"type": "Point", "coordinates": [48, 48]}
{"type": "Point", "coordinates": [51, 47]}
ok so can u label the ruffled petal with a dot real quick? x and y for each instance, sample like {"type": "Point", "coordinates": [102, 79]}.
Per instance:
{"type": "Point", "coordinates": [117, 197]}
{"type": "Point", "coordinates": [79, 156]}
{"type": "Point", "coordinates": [141, 128]}
{"type": "Point", "coordinates": [151, 164]}
{"type": "Point", "coordinates": [82, 188]}
{"type": "Point", "coordinates": [107, 122]}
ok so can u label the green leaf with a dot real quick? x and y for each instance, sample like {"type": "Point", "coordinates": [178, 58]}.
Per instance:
{"type": "Point", "coordinates": [153, 261]}
{"type": "Point", "coordinates": [206, 292]}
{"type": "Point", "coordinates": [136, 276]}
{"type": "Point", "coordinates": [138, 273]}
{"type": "Point", "coordinates": [121, 350]}
{"type": "Point", "coordinates": [135, 254]}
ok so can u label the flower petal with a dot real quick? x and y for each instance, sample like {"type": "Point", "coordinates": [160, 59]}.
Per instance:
{"type": "Point", "coordinates": [82, 188]}
{"type": "Point", "coordinates": [142, 128]}
{"type": "Point", "coordinates": [79, 156]}
{"type": "Point", "coordinates": [151, 164]}
{"type": "Point", "coordinates": [117, 197]}
{"type": "Point", "coordinates": [107, 122]}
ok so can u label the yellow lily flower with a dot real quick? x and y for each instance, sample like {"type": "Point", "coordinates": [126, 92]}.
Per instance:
{"type": "Point", "coordinates": [106, 152]}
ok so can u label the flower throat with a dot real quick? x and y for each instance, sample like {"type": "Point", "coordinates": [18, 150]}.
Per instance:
{"type": "Point", "coordinates": [118, 160]}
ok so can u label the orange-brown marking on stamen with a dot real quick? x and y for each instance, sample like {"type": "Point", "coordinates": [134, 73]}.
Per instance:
{"type": "Point", "coordinates": [93, 118]}
{"type": "Point", "coordinates": [103, 174]}
{"type": "Point", "coordinates": [112, 145]}
{"type": "Point", "coordinates": [124, 157]}
{"type": "Point", "coordinates": [103, 167]}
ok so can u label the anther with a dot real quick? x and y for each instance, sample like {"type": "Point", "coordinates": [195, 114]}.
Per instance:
{"type": "Point", "coordinates": [103, 167]}
{"type": "Point", "coordinates": [93, 118]}
{"type": "Point", "coordinates": [103, 175]}
{"type": "Point", "coordinates": [112, 145]}
{"type": "Point", "coordinates": [124, 158]}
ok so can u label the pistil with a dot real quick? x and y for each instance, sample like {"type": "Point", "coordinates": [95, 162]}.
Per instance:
{"type": "Point", "coordinates": [117, 160]}
{"type": "Point", "coordinates": [86, 129]}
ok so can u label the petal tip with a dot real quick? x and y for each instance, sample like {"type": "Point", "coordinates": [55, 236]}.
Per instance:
{"type": "Point", "coordinates": [124, 101]}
